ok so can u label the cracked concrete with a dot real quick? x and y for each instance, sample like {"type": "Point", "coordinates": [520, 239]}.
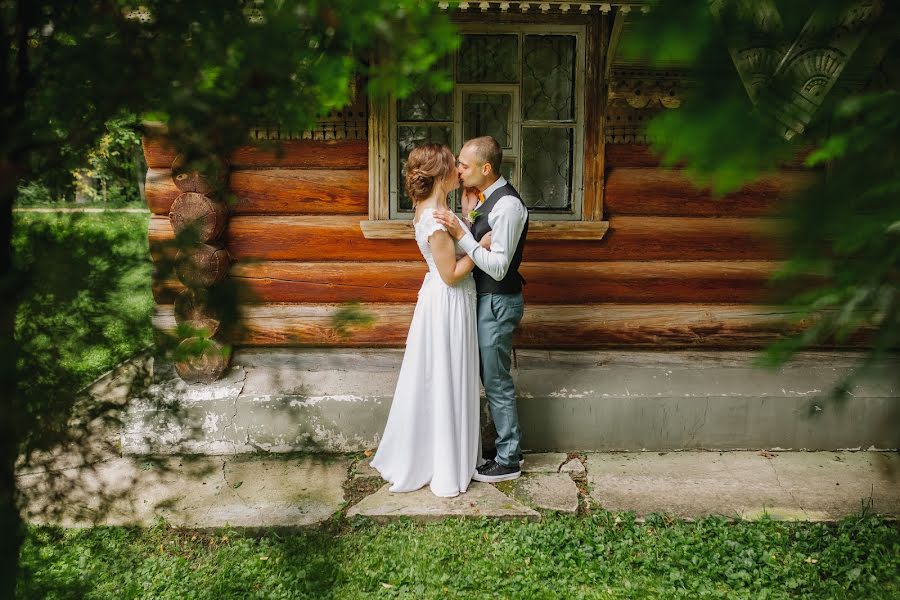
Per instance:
{"type": "Point", "coordinates": [195, 492]}
{"type": "Point", "coordinates": [788, 485]}
{"type": "Point", "coordinates": [770, 458]}
{"type": "Point", "coordinates": [277, 490]}
{"type": "Point", "coordinates": [481, 500]}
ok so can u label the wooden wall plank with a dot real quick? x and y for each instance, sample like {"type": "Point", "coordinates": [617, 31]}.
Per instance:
{"type": "Point", "coordinates": [160, 191]}
{"type": "Point", "coordinates": [338, 238]}
{"type": "Point", "coordinates": [277, 191]}
{"type": "Point", "coordinates": [309, 154]}
{"type": "Point", "coordinates": [548, 283]}
{"type": "Point", "coordinates": [667, 192]}
{"type": "Point", "coordinates": [641, 155]}
{"type": "Point", "coordinates": [157, 152]}
{"type": "Point", "coordinates": [740, 282]}
{"type": "Point", "coordinates": [582, 327]}
{"type": "Point", "coordinates": [630, 155]}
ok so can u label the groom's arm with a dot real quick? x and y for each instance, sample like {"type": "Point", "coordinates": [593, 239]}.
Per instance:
{"type": "Point", "coordinates": [507, 221]}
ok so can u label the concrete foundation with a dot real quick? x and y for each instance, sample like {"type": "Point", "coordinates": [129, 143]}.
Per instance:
{"type": "Point", "coordinates": [338, 401]}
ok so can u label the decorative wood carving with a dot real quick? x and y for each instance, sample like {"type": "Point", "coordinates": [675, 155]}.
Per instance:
{"type": "Point", "coordinates": [808, 68]}
{"type": "Point", "coordinates": [558, 7]}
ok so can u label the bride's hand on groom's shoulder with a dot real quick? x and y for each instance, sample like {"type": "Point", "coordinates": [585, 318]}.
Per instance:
{"type": "Point", "coordinates": [449, 220]}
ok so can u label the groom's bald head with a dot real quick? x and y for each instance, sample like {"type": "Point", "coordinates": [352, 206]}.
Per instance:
{"type": "Point", "coordinates": [487, 152]}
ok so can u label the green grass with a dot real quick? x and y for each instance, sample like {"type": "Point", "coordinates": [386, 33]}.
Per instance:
{"type": "Point", "coordinates": [85, 301]}
{"type": "Point", "coordinates": [599, 556]}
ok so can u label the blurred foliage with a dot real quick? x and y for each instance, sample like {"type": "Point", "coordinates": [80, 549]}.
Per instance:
{"type": "Point", "coordinates": [846, 227]}
{"type": "Point", "coordinates": [208, 71]}
{"type": "Point", "coordinates": [114, 165]}
{"type": "Point", "coordinates": [109, 173]}
{"type": "Point", "coordinates": [351, 316]}
{"type": "Point", "coordinates": [85, 307]}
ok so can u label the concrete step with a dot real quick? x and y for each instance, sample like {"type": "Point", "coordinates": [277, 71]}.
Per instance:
{"type": "Point", "coordinates": [317, 400]}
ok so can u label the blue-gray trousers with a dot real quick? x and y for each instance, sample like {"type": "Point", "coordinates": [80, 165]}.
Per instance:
{"type": "Point", "coordinates": [498, 317]}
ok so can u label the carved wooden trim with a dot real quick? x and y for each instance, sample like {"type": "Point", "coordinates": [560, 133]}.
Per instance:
{"type": "Point", "coordinates": [809, 67]}
{"type": "Point", "coordinates": [626, 125]}
{"type": "Point", "coordinates": [540, 7]}
{"type": "Point", "coordinates": [647, 88]}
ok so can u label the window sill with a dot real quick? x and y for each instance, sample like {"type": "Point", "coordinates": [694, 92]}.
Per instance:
{"type": "Point", "coordinates": [537, 230]}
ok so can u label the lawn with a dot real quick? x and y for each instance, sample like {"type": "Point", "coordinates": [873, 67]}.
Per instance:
{"type": "Point", "coordinates": [85, 301]}
{"type": "Point", "coordinates": [602, 555]}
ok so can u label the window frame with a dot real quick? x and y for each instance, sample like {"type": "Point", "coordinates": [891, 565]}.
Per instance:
{"type": "Point", "coordinates": [591, 34]}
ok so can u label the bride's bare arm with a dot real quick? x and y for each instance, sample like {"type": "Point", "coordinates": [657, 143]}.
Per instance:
{"type": "Point", "coordinates": [466, 261]}
{"type": "Point", "coordinates": [444, 250]}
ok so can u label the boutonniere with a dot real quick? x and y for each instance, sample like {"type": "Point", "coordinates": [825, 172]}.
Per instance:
{"type": "Point", "coordinates": [473, 214]}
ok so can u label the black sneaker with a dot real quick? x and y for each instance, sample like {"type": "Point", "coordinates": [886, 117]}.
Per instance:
{"type": "Point", "coordinates": [494, 458]}
{"type": "Point", "coordinates": [492, 472]}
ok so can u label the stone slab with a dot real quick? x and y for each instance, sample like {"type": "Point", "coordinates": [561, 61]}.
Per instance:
{"type": "Point", "coordinates": [547, 491]}
{"type": "Point", "coordinates": [544, 462]}
{"type": "Point", "coordinates": [480, 500]}
{"type": "Point", "coordinates": [195, 492]}
{"type": "Point", "coordinates": [789, 485]}
{"type": "Point", "coordinates": [830, 485]}
{"type": "Point", "coordinates": [364, 468]}
{"type": "Point", "coordinates": [574, 467]}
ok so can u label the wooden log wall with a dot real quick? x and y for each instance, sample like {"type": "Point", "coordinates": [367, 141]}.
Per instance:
{"type": "Point", "coordinates": [677, 268]}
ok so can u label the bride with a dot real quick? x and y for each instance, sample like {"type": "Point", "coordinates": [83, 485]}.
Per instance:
{"type": "Point", "coordinates": [432, 432]}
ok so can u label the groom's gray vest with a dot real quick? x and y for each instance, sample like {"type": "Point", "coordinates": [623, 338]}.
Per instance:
{"type": "Point", "coordinates": [512, 283]}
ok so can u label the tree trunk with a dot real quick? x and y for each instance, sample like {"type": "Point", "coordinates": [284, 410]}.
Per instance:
{"type": "Point", "coordinates": [10, 522]}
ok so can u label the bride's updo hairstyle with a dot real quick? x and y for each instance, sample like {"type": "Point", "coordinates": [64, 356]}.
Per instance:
{"type": "Point", "coordinates": [427, 165]}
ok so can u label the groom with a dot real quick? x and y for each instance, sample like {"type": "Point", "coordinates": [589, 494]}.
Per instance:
{"type": "Point", "coordinates": [492, 205]}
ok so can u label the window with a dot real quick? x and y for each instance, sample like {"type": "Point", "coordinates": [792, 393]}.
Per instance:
{"type": "Point", "coordinates": [524, 84]}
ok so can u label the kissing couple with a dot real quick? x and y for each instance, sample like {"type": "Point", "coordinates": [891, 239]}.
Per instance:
{"type": "Point", "coordinates": [469, 305]}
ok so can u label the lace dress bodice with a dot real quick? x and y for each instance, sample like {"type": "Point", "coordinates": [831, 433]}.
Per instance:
{"type": "Point", "coordinates": [426, 226]}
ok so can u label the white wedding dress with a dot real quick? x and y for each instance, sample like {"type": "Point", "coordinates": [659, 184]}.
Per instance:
{"type": "Point", "coordinates": [432, 432]}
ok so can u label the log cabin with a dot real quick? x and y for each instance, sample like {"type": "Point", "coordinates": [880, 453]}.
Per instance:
{"type": "Point", "coordinates": [647, 298]}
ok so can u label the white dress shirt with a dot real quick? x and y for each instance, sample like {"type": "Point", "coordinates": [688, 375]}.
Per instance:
{"type": "Point", "coordinates": [507, 220]}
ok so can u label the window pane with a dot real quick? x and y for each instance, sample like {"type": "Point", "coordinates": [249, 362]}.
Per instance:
{"type": "Point", "coordinates": [547, 168]}
{"type": "Point", "coordinates": [489, 59]}
{"type": "Point", "coordinates": [488, 114]}
{"type": "Point", "coordinates": [408, 137]}
{"type": "Point", "coordinates": [427, 105]}
{"type": "Point", "coordinates": [548, 77]}
{"type": "Point", "coordinates": [508, 170]}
